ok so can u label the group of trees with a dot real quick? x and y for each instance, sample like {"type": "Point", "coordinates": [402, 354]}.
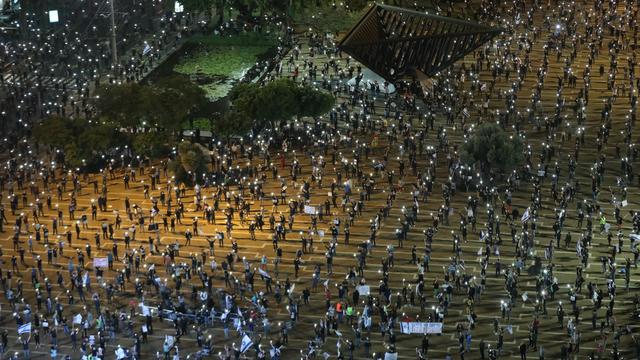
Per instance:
{"type": "Point", "coordinates": [151, 116]}
{"type": "Point", "coordinates": [144, 118]}
{"type": "Point", "coordinates": [83, 143]}
{"type": "Point", "coordinates": [163, 106]}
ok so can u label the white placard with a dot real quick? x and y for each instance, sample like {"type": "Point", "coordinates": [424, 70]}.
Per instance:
{"type": "Point", "coordinates": [390, 356]}
{"type": "Point", "coordinates": [54, 16]}
{"type": "Point", "coordinates": [170, 340]}
{"type": "Point", "coordinates": [100, 262]}
{"type": "Point", "coordinates": [311, 210]}
{"type": "Point", "coordinates": [364, 289]}
{"type": "Point", "coordinates": [421, 327]}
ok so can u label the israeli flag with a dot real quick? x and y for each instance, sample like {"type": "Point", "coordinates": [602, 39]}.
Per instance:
{"type": "Point", "coordinates": [525, 216]}
{"type": "Point", "coordinates": [26, 328]}
{"type": "Point", "coordinates": [246, 343]}
{"type": "Point", "coordinates": [264, 273]}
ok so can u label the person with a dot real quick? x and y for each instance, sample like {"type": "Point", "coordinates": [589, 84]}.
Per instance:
{"type": "Point", "coordinates": [523, 351]}
{"type": "Point", "coordinates": [26, 353]}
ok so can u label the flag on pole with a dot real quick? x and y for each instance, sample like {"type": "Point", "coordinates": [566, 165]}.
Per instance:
{"type": "Point", "coordinates": [526, 215]}
{"type": "Point", "coordinates": [26, 328]}
{"type": "Point", "coordinates": [264, 273]}
{"type": "Point", "coordinates": [246, 343]}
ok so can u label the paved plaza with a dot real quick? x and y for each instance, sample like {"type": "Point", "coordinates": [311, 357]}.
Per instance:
{"type": "Point", "coordinates": [383, 182]}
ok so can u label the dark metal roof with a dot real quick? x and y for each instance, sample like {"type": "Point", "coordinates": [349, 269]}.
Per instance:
{"type": "Point", "coordinates": [395, 42]}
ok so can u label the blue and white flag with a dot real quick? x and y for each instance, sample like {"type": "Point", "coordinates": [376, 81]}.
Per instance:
{"type": "Point", "coordinates": [246, 343]}
{"type": "Point", "coordinates": [264, 273]}
{"type": "Point", "coordinates": [525, 216]}
{"type": "Point", "coordinates": [26, 328]}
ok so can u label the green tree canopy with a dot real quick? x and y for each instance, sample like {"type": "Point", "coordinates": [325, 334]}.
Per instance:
{"type": "Point", "coordinates": [198, 5]}
{"type": "Point", "coordinates": [56, 131]}
{"type": "Point", "coordinates": [165, 104]}
{"type": "Point", "coordinates": [125, 104]}
{"type": "Point", "coordinates": [233, 122]}
{"type": "Point", "coordinates": [176, 98]}
{"type": "Point", "coordinates": [154, 144]}
{"type": "Point", "coordinates": [279, 100]}
{"type": "Point", "coordinates": [313, 102]}
{"type": "Point", "coordinates": [490, 147]}
{"type": "Point", "coordinates": [79, 139]}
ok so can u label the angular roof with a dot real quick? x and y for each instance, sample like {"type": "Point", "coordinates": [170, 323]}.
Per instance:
{"type": "Point", "coordinates": [395, 42]}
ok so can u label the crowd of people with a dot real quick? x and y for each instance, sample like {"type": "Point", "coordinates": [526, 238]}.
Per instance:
{"type": "Point", "coordinates": [52, 68]}
{"type": "Point", "coordinates": [347, 205]}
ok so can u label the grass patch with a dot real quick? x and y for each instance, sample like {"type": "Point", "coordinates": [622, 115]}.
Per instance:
{"type": "Point", "coordinates": [198, 123]}
{"type": "Point", "coordinates": [228, 61]}
{"type": "Point", "coordinates": [244, 39]}
{"type": "Point", "coordinates": [219, 61]}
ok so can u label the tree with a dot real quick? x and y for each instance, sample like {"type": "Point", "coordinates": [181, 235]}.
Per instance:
{"type": "Point", "coordinates": [191, 164]}
{"type": "Point", "coordinates": [204, 6]}
{"type": "Point", "coordinates": [279, 100]}
{"type": "Point", "coordinates": [55, 131]}
{"type": "Point", "coordinates": [233, 122]}
{"type": "Point", "coordinates": [491, 148]}
{"type": "Point", "coordinates": [247, 7]}
{"type": "Point", "coordinates": [176, 98]}
{"type": "Point", "coordinates": [125, 104]}
{"type": "Point", "coordinates": [313, 102]}
{"type": "Point", "coordinates": [154, 144]}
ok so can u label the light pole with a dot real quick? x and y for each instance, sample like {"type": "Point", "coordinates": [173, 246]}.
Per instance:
{"type": "Point", "coordinates": [114, 45]}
